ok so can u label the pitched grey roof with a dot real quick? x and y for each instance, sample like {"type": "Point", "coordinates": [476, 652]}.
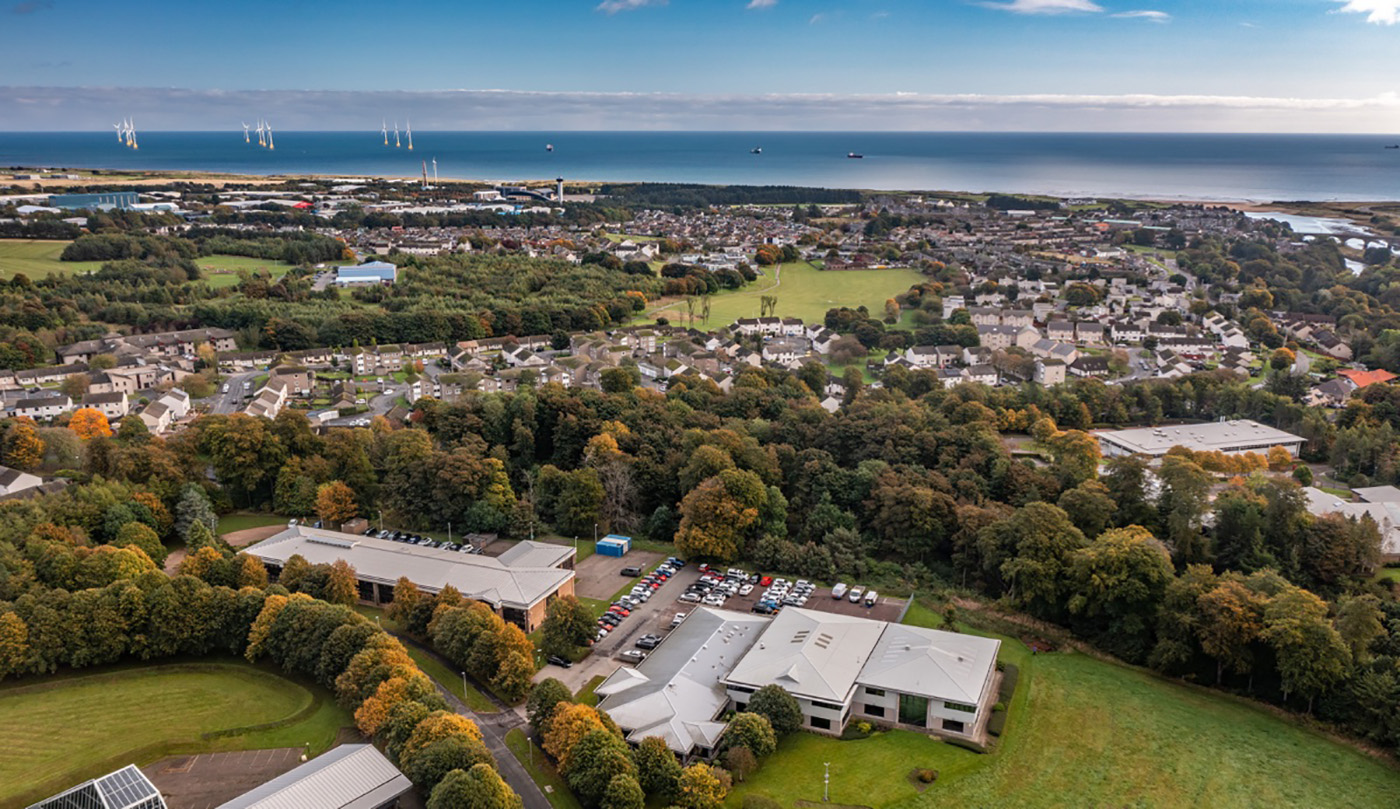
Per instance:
{"type": "Point", "coordinates": [495, 580]}
{"type": "Point", "coordinates": [352, 776]}
{"type": "Point", "coordinates": [913, 660]}
{"type": "Point", "coordinates": [817, 655]}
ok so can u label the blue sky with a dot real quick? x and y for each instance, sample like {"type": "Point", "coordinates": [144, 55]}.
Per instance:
{"type": "Point", "coordinates": [1116, 64]}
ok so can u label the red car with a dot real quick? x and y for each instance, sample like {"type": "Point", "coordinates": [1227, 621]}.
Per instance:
{"type": "Point", "coordinates": [703, 568]}
{"type": "Point", "coordinates": [765, 581]}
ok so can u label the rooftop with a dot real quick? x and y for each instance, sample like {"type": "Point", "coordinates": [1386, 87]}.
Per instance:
{"type": "Point", "coordinates": [817, 655]}
{"type": "Point", "coordinates": [518, 578]}
{"type": "Point", "coordinates": [926, 661]}
{"type": "Point", "coordinates": [677, 692]}
{"type": "Point", "coordinates": [352, 776]}
{"type": "Point", "coordinates": [1220, 435]}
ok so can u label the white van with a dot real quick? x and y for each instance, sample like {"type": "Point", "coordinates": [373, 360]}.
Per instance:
{"type": "Point", "coordinates": [839, 590]}
{"type": "Point", "coordinates": [870, 598]}
{"type": "Point", "coordinates": [856, 593]}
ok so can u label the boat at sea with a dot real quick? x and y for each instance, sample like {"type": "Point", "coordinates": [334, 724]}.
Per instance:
{"type": "Point", "coordinates": [854, 155]}
{"type": "Point", "coordinates": [549, 147]}
{"type": "Point", "coordinates": [756, 150]}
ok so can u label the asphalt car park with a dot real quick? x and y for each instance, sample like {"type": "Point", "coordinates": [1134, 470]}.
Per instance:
{"type": "Point", "coordinates": [782, 592]}
{"type": "Point", "coordinates": [600, 576]}
{"type": "Point", "coordinates": [652, 616]}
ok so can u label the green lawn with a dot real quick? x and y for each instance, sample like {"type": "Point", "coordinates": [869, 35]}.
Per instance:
{"type": "Point", "coordinates": [537, 765]}
{"type": "Point", "coordinates": [803, 291]}
{"type": "Point", "coordinates": [1390, 575]}
{"type": "Point", "coordinates": [1083, 732]}
{"type": "Point", "coordinates": [61, 731]}
{"type": "Point", "coordinates": [588, 694]}
{"type": "Point", "coordinates": [38, 259]}
{"type": "Point", "coordinates": [452, 680]}
{"type": "Point", "coordinates": [238, 522]}
{"type": "Point", "coordinates": [222, 271]}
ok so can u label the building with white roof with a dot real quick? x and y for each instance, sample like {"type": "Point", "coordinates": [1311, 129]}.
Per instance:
{"type": "Point", "coordinates": [678, 692]}
{"type": "Point", "coordinates": [836, 666]}
{"type": "Point", "coordinates": [127, 788]}
{"type": "Point", "coordinates": [352, 776]}
{"type": "Point", "coordinates": [1380, 503]}
{"type": "Point", "coordinates": [1230, 437]}
{"type": "Point", "coordinates": [518, 584]}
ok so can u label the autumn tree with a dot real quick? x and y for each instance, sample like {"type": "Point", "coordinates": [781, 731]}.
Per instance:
{"type": "Point", "coordinates": [89, 422]}
{"type": "Point", "coordinates": [702, 787]}
{"type": "Point", "coordinates": [752, 731]}
{"type": "Point", "coordinates": [594, 761]}
{"type": "Point", "coordinates": [342, 584]}
{"type": "Point", "coordinates": [14, 644]}
{"type": "Point", "coordinates": [21, 447]}
{"type": "Point", "coordinates": [336, 503]}
{"type": "Point", "coordinates": [567, 727]}
{"type": "Point", "coordinates": [544, 700]}
{"type": "Point", "coordinates": [623, 792]}
{"type": "Point", "coordinates": [1231, 620]}
{"type": "Point", "coordinates": [1089, 506]}
{"type": "Point", "coordinates": [721, 516]}
{"type": "Point", "coordinates": [1311, 654]}
{"type": "Point", "coordinates": [1117, 582]}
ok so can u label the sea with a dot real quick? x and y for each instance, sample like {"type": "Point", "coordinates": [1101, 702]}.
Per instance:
{"type": "Point", "coordinates": [1257, 168]}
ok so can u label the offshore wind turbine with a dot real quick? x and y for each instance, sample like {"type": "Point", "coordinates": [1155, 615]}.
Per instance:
{"type": "Point", "coordinates": [245, 134]}
{"type": "Point", "coordinates": [131, 133]}
{"type": "Point", "coordinates": [269, 137]}
{"type": "Point", "coordinates": [262, 141]}
{"type": "Point", "coordinates": [435, 179]}
{"type": "Point", "coordinates": [409, 125]}
{"type": "Point", "coordinates": [119, 127]}
{"type": "Point", "coordinates": [397, 144]}
{"type": "Point", "coordinates": [384, 128]}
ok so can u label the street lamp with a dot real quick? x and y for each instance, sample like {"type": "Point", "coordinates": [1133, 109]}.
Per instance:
{"type": "Point", "coordinates": [464, 685]}
{"type": "Point", "coordinates": [381, 519]}
{"type": "Point", "coordinates": [826, 783]}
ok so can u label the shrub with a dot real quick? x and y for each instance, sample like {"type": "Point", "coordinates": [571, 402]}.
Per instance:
{"type": "Point", "coordinates": [996, 723]}
{"type": "Point", "coordinates": [926, 775]}
{"type": "Point", "coordinates": [968, 744]}
{"type": "Point", "coordinates": [1000, 706]}
{"type": "Point", "coordinates": [1009, 677]}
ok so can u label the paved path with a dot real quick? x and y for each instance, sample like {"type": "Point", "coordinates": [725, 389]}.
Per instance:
{"type": "Point", "coordinates": [494, 728]}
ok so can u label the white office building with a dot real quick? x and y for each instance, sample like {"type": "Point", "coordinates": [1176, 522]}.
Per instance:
{"type": "Point", "coordinates": [1230, 437]}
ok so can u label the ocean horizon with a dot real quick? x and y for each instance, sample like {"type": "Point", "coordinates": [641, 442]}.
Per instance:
{"type": "Point", "coordinates": [1196, 167]}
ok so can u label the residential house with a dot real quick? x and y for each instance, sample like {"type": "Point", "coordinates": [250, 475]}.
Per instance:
{"type": "Point", "coordinates": [111, 405]}
{"type": "Point", "coordinates": [42, 408]}
{"type": "Point", "coordinates": [1049, 372]}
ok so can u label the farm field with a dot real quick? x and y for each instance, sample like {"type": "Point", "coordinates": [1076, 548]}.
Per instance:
{"type": "Point", "coordinates": [803, 291]}
{"type": "Point", "coordinates": [62, 731]}
{"type": "Point", "coordinates": [222, 271]}
{"type": "Point", "coordinates": [38, 259]}
{"type": "Point", "coordinates": [1083, 732]}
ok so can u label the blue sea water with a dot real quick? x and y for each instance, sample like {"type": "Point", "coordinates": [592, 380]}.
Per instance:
{"type": "Point", "coordinates": [1174, 166]}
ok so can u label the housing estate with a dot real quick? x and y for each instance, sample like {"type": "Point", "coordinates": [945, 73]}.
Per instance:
{"type": "Point", "coordinates": [518, 585]}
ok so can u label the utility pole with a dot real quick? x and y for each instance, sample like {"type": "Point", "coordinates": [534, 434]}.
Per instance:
{"type": "Point", "coordinates": [449, 533]}
{"type": "Point", "coordinates": [464, 685]}
{"type": "Point", "coordinates": [826, 783]}
{"type": "Point", "coordinates": [381, 519]}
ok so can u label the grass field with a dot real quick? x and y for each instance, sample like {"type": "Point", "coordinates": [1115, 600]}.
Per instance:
{"type": "Point", "coordinates": [229, 523]}
{"type": "Point", "coordinates": [451, 680]}
{"type": "Point", "coordinates": [61, 731]}
{"type": "Point", "coordinates": [1083, 732]}
{"type": "Point", "coordinates": [222, 271]}
{"type": "Point", "coordinates": [803, 291]}
{"type": "Point", "coordinates": [38, 259]}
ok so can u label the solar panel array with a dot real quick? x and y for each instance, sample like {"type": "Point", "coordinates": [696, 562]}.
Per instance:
{"type": "Point", "coordinates": [126, 788]}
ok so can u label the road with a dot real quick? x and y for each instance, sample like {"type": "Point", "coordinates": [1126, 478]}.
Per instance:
{"type": "Point", "coordinates": [234, 400]}
{"type": "Point", "coordinates": [494, 728]}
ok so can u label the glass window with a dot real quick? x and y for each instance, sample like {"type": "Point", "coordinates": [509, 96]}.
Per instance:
{"type": "Point", "coordinates": [875, 692]}
{"type": "Point", "coordinates": [913, 710]}
{"type": "Point", "coordinates": [819, 722]}
{"type": "Point", "coordinates": [875, 710]}
{"type": "Point", "coordinates": [954, 726]}
{"type": "Point", "coordinates": [958, 706]}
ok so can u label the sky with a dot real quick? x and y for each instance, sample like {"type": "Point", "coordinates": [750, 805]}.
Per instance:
{"type": "Point", "coordinates": [1067, 65]}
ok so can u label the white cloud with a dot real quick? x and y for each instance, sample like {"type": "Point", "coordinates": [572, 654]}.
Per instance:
{"type": "Point", "coordinates": [614, 6]}
{"type": "Point", "coordinates": [1150, 16]}
{"type": "Point", "coordinates": [1045, 6]}
{"type": "Point", "coordinates": [1379, 12]}
{"type": "Point", "coordinates": [761, 4]}
{"type": "Point", "coordinates": [820, 16]}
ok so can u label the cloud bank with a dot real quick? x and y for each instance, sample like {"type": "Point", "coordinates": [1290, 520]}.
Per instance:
{"type": "Point", "coordinates": [40, 109]}
{"type": "Point", "coordinates": [1378, 12]}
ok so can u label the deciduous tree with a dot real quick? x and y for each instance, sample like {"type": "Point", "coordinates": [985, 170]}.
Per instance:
{"type": "Point", "coordinates": [480, 787]}
{"type": "Point", "coordinates": [780, 708]}
{"type": "Point", "coordinates": [21, 447]}
{"type": "Point", "coordinates": [89, 422]}
{"type": "Point", "coordinates": [702, 787]}
{"type": "Point", "coordinates": [567, 625]}
{"type": "Point", "coordinates": [336, 503]}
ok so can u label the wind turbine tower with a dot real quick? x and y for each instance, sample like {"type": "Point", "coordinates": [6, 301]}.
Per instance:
{"type": "Point", "coordinates": [409, 126]}
{"type": "Point", "coordinates": [435, 179]}
{"type": "Point", "coordinates": [384, 128]}
{"type": "Point", "coordinates": [245, 134]}
{"type": "Point", "coordinates": [269, 137]}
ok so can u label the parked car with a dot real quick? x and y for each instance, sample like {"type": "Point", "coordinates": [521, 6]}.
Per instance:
{"type": "Point", "coordinates": [870, 598]}
{"type": "Point", "coordinates": [690, 597]}
{"type": "Point", "coordinates": [647, 642]}
{"type": "Point", "coordinates": [765, 581]}
{"type": "Point", "coordinates": [839, 590]}
{"type": "Point", "coordinates": [856, 593]}
{"type": "Point", "coordinates": [633, 655]}
{"type": "Point", "coordinates": [632, 570]}
{"type": "Point", "coordinates": [292, 523]}
{"type": "Point", "coordinates": [562, 662]}
{"type": "Point", "coordinates": [678, 620]}
{"type": "Point", "coordinates": [746, 589]}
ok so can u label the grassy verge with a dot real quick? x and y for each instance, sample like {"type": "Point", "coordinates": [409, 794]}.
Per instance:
{"type": "Point", "coordinates": [239, 522]}
{"type": "Point", "coordinates": [65, 729]}
{"type": "Point", "coordinates": [541, 771]}
{"type": "Point", "coordinates": [452, 681]}
{"type": "Point", "coordinates": [587, 695]}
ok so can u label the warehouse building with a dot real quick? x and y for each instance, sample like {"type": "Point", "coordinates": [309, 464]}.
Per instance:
{"type": "Point", "coordinates": [1230, 437]}
{"type": "Point", "coordinates": [518, 585]}
{"type": "Point", "coordinates": [95, 202]}
{"type": "Point", "coordinates": [352, 776]}
{"type": "Point", "coordinates": [372, 272]}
